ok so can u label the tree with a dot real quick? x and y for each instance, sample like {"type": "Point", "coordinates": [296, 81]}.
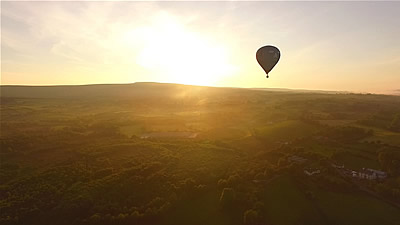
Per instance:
{"type": "Point", "coordinates": [395, 124]}
{"type": "Point", "coordinates": [250, 217]}
{"type": "Point", "coordinates": [390, 161]}
{"type": "Point", "coordinates": [227, 197]}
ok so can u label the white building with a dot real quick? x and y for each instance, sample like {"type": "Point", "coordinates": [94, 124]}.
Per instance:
{"type": "Point", "coordinates": [297, 159]}
{"type": "Point", "coordinates": [369, 174]}
{"type": "Point", "coordinates": [311, 172]}
{"type": "Point", "coordinates": [379, 174]}
{"type": "Point", "coordinates": [338, 166]}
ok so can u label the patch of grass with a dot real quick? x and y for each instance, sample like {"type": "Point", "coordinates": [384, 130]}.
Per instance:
{"type": "Point", "coordinates": [359, 209]}
{"type": "Point", "coordinates": [204, 209]}
{"type": "Point", "coordinates": [131, 130]}
{"type": "Point", "coordinates": [354, 162]}
{"type": "Point", "coordinates": [287, 130]}
{"type": "Point", "coordinates": [286, 204]}
{"type": "Point", "coordinates": [386, 137]}
{"type": "Point", "coordinates": [223, 133]}
{"type": "Point", "coordinates": [337, 122]}
{"type": "Point", "coordinates": [326, 150]}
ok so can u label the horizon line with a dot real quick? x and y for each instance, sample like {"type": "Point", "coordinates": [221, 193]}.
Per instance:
{"type": "Point", "coordinates": [393, 92]}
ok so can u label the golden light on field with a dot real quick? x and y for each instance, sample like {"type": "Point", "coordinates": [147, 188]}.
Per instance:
{"type": "Point", "coordinates": [184, 56]}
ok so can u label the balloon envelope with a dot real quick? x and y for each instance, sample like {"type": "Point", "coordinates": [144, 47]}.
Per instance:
{"type": "Point", "coordinates": [268, 56]}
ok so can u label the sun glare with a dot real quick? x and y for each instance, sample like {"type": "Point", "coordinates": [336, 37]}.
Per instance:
{"type": "Point", "coordinates": [180, 55]}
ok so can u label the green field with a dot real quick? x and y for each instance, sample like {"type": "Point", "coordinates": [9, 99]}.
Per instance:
{"type": "Point", "coordinates": [359, 209]}
{"type": "Point", "coordinates": [287, 204]}
{"type": "Point", "coordinates": [286, 130]}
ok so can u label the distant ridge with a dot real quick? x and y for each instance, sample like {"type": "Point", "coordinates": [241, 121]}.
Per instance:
{"type": "Point", "coordinates": [139, 89]}
{"type": "Point", "coordinates": [302, 90]}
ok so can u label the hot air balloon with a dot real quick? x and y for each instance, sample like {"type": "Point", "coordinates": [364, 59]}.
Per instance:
{"type": "Point", "coordinates": [268, 56]}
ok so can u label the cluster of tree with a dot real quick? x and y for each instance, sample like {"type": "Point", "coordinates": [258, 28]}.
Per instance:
{"type": "Point", "coordinates": [389, 190]}
{"type": "Point", "coordinates": [384, 119]}
{"type": "Point", "coordinates": [389, 158]}
{"type": "Point", "coordinates": [395, 123]}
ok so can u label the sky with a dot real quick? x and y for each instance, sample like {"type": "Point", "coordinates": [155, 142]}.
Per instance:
{"type": "Point", "coordinates": [341, 46]}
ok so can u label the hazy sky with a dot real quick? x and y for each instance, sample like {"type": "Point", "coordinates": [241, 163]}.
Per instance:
{"type": "Point", "coordinates": [352, 46]}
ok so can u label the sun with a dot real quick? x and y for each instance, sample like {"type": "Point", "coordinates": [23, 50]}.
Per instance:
{"type": "Point", "coordinates": [182, 56]}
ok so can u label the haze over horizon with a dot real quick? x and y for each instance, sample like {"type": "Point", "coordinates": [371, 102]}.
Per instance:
{"type": "Point", "coordinates": [340, 46]}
